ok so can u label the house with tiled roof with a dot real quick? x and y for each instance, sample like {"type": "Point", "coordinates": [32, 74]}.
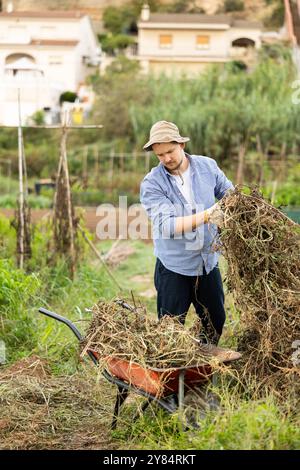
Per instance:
{"type": "Point", "coordinates": [176, 43]}
{"type": "Point", "coordinates": [43, 54]}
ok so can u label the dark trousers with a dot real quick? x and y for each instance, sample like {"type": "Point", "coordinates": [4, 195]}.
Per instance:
{"type": "Point", "coordinates": [176, 292]}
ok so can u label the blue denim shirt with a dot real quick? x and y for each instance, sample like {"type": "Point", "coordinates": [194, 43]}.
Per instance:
{"type": "Point", "coordinates": [162, 199]}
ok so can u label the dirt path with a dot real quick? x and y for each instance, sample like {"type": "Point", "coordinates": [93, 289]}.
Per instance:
{"type": "Point", "coordinates": [91, 220]}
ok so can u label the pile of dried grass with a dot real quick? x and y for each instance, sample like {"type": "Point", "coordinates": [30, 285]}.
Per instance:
{"type": "Point", "coordinates": [133, 336]}
{"type": "Point", "coordinates": [261, 246]}
{"type": "Point", "coordinates": [53, 412]}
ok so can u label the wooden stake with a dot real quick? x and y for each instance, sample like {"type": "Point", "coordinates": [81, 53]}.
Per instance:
{"type": "Point", "coordinates": [62, 170]}
{"type": "Point", "coordinates": [114, 246]}
{"type": "Point", "coordinates": [68, 189]}
{"type": "Point", "coordinates": [21, 190]}
{"type": "Point", "coordinates": [92, 246]}
{"type": "Point", "coordinates": [63, 179]}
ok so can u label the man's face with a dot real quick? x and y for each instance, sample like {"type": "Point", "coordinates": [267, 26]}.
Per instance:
{"type": "Point", "coordinates": [169, 154]}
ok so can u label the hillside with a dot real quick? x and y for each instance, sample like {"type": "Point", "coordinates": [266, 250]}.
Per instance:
{"type": "Point", "coordinates": [93, 7]}
{"type": "Point", "coordinates": [254, 9]}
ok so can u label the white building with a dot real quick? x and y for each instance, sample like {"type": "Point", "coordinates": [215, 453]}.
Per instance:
{"type": "Point", "coordinates": [43, 54]}
{"type": "Point", "coordinates": [176, 43]}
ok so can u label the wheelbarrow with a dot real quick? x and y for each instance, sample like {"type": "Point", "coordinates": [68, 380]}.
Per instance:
{"type": "Point", "coordinates": [165, 387]}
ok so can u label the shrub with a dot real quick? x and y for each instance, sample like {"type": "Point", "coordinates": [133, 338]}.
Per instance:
{"type": "Point", "coordinates": [69, 96]}
{"type": "Point", "coordinates": [233, 5]}
{"type": "Point", "coordinates": [38, 118]}
{"type": "Point", "coordinates": [17, 328]}
{"type": "Point", "coordinates": [7, 238]}
{"type": "Point", "coordinates": [115, 43]}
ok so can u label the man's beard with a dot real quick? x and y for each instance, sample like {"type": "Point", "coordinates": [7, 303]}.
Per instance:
{"type": "Point", "coordinates": [178, 166]}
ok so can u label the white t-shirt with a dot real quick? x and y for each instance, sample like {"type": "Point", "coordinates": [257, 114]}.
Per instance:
{"type": "Point", "coordinates": [185, 185]}
{"type": "Point", "coordinates": [186, 189]}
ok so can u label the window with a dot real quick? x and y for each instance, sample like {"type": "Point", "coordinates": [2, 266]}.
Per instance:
{"type": "Point", "coordinates": [47, 28]}
{"type": "Point", "coordinates": [165, 41]}
{"type": "Point", "coordinates": [202, 41]}
{"type": "Point", "coordinates": [55, 60]}
{"type": "Point", "coordinates": [17, 27]}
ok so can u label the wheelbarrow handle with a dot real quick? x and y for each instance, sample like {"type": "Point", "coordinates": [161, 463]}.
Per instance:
{"type": "Point", "coordinates": [112, 379]}
{"type": "Point", "coordinates": [71, 325]}
{"type": "Point", "coordinates": [64, 320]}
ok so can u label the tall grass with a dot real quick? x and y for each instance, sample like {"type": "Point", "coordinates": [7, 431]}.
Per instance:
{"type": "Point", "coordinates": [222, 108]}
{"type": "Point", "coordinates": [25, 331]}
{"type": "Point", "coordinates": [239, 424]}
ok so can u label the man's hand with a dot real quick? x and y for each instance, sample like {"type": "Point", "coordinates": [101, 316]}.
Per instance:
{"type": "Point", "coordinates": [187, 223]}
{"type": "Point", "coordinates": [215, 215]}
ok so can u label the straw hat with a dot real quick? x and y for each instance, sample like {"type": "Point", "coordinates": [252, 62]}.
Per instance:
{"type": "Point", "coordinates": [164, 131]}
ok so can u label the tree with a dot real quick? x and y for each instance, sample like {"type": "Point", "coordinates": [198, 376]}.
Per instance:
{"type": "Point", "coordinates": [123, 19]}
{"type": "Point", "coordinates": [233, 5]}
{"type": "Point", "coordinates": [276, 17]}
{"type": "Point", "coordinates": [115, 43]}
{"type": "Point", "coordinates": [182, 6]}
{"type": "Point", "coordinates": [116, 91]}
{"type": "Point", "coordinates": [277, 52]}
{"type": "Point", "coordinates": [113, 20]}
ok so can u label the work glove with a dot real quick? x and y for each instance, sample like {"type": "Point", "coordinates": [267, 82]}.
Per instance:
{"type": "Point", "coordinates": [215, 215]}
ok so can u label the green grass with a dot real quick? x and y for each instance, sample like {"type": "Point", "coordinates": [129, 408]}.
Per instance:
{"type": "Point", "coordinates": [9, 201]}
{"type": "Point", "coordinates": [26, 332]}
{"type": "Point", "coordinates": [241, 423]}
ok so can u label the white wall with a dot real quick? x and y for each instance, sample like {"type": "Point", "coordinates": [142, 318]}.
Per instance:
{"type": "Point", "coordinates": [35, 94]}
{"type": "Point", "coordinates": [72, 70]}
{"type": "Point", "coordinates": [62, 65]}
{"type": "Point", "coordinates": [88, 46]}
{"type": "Point", "coordinates": [237, 33]}
{"type": "Point", "coordinates": [184, 43]}
{"type": "Point", "coordinates": [11, 29]}
{"type": "Point", "coordinates": [63, 73]}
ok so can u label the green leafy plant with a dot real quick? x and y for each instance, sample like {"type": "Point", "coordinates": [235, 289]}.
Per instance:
{"type": "Point", "coordinates": [17, 328]}
{"type": "Point", "coordinates": [69, 96]}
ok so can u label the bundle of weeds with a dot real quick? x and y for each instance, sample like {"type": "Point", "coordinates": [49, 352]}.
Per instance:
{"type": "Point", "coordinates": [133, 336]}
{"type": "Point", "coordinates": [52, 413]}
{"type": "Point", "coordinates": [261, 246]}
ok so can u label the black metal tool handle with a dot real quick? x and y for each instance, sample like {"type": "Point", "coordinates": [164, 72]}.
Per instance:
{"type": "Point", "coordinates": [71, 325]}
{"type": "Point", "coordinates": [64, 320]}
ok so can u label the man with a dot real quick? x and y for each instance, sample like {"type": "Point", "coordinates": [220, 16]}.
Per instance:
{"type": "Point", "coordinates": [179, 197]}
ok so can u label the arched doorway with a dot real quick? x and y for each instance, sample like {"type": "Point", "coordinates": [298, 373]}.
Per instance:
{"type": "Point", "coordinates": [21, 65]}
{"type": "Point", "coordinates": [242, 48]}
{"type": "Point", "coordinates": [24, 78]}
{"type": "Point", "coordinates": [12, 58]}
{"type": "Point", "coordinates": [243, 42]}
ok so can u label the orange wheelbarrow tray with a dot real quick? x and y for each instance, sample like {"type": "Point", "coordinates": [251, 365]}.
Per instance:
{"type": "Point", "coordinates": [166, 387]}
